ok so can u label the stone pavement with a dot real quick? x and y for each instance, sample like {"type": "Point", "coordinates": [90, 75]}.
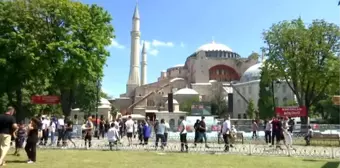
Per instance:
{"type": "Point", "coordinates": [214, 148]}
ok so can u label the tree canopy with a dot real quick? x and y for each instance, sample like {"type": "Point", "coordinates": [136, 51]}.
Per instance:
{"type": "Point", "coordinates": [251, 112]}
{"type": "Point", "coordinates": [305, 56]}
{"type": "Point", "coordinates": [265, 103]}
{"type": "Point", "coordinates": [50, 47]}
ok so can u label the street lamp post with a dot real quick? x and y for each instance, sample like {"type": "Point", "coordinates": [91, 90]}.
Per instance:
{"type": "Point", "coordinates": [273, 97]}
{"type": "Point", "coordinates": [97, 104]}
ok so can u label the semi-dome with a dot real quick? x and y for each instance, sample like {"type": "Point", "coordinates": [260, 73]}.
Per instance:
{"type": "Point", "coordinates": [173, 100]}
{"type": "Point", "coordinates": [104, 101]}
{"type": "Point", "coordinates": [186, 91]}
{"type": "Point", "coordinates": [252, 73]}
{"type": "Point", "coordinates": [178, 65]}
{"type": "Point", "coordinates": [214, 47]}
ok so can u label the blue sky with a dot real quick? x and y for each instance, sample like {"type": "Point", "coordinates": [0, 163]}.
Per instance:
{"type": "Point", "coordinates": [176, 28]}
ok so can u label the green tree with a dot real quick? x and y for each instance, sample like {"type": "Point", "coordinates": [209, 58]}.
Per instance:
{"type": "Point", "coordinates": [218, 101]}
{"type": "Point", "coordinates": [265, 102]}
{"type": "Point", "coordinates": [186, 105]}
{"type": "Point", "coordinates": [251, 112]}
{"type": "Point", "coordinates": [305, 57]}
{"type": "Point", "coordinates": [51, 48]}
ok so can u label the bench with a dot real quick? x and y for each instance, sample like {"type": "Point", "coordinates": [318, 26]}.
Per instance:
{"type": "Point", "coordinates": [326, 137]}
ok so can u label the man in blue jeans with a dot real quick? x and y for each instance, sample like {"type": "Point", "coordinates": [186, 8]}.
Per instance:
{"type": "Point", "coordinates": [202, 132]}
{"type": "Point", "coordinates": [160, 129]}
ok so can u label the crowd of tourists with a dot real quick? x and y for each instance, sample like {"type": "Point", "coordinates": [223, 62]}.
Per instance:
{"type": "Point", "coordinates": [41, 128]}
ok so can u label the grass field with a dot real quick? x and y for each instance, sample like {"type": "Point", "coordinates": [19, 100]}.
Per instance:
{"type": "Point", "coordinates": [124, 159]}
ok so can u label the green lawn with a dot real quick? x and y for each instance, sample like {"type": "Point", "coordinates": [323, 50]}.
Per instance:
{"type": "Point", "coordinates": [124, 159]}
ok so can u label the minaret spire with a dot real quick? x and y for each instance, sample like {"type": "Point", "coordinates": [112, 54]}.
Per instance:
{"type": "Point", "coordinates": [136, 12]}
{"type": "Point", "coordinates": [134, 80]}
{"type": "Point", "coordinates": [144, 66]}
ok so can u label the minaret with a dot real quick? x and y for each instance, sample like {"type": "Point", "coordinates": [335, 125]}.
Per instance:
{"type": "Point", "coordinates": [133, 80]}
{"type": "Point", "coordinates": [144, 66]}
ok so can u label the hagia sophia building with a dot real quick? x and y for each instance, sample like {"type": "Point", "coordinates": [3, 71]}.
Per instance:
{"type": "Point", "coordinates": [211, 66]}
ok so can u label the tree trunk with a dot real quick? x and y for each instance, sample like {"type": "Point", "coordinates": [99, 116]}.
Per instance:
{"type": "Point", "coordinates": [67, 101]}
{"type": "Point", "coordinates": [20, 114]}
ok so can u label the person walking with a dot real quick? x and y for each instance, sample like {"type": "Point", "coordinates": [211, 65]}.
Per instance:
{"type": "Point", "coordinates": [160, 134]}
{"type": "Point", "coordinates": [45, 130]}
{"type": "Point", "coordinates": [113, 135]}
{"type": "Point", "coordinates": [202, 132]}
{"type": "Point", "coordinates": [276, 131]}
{"type": "Point", "coordinates": [7, 126]}
{"type": "Point", "coordinates": [20, 138]}
{"type": "Point", "coordinates": [286, 134]}
{"type": "Point", "coordinates": [268, 131]}
{"type": "Point", "coordinates": [68, 133]}
{"type": "Point", "coordinates": [53, 127]}
{"type": "Point", "coordinates": [146, 132]}
{"type": "Point", "coordinates": [196, 127]}
{"type": "Point", "coordinates": [167, 129]}
{"type": "Point", "coordinates": [226, 126]}
{"type": "Point", "coordinates": [129, 124]}
{"type": "Point", "coordinates": [255, 128]}
{"type": "Point", "coordinates": [88, 132]}
{"type": "Point", "coordinates": [61, 130]}
{"type": "Point", "coordinates": [183, 134]}
{"type": "Point", "coordinates": [32, 140]}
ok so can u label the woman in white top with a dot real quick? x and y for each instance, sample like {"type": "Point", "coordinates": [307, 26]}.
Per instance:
{"type": "Point", "coordinates": [286, 134]}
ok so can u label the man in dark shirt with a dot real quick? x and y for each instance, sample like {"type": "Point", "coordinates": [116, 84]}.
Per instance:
{"type": "Point", "coordinates": [276, 131]}
{"type": "Point", "coordinates": [68, 132]}
{"type": "Point", "coordinates": [7, 126]}
{"type": "Point", "coordinates": [202, 132]}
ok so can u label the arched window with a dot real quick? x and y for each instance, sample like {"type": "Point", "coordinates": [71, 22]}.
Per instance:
{"type": "Point", "coordinates": [277, 101]}
{"type": "Point", "coordinates": [285, 102]}
{"type": "Point", "coordinates": [75, 116]}
{"type": "Point", "coordinates": [284, 88]}
{"type": "Point", "coordinates": [239, 116]}
{"type": "Point", "coordinates": [150, 103]}
{"type": "Point", "coordinates": [223, 72]}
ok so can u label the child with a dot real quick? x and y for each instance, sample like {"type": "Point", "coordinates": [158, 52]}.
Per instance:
{"type": "Point", "coordinates": [233, 133]}
{"type": "Point", "coordinates": [309, 135]}
{"type": "Point", "coordinates": [113, 135]}
{"type": "Point", "coordinates": [20, 138]}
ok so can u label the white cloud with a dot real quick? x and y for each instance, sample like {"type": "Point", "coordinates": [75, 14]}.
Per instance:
{"type": "Point", "coordinates": [153, 52]}
{"type": "Point", "coordinates": [115, 44]}
{"type": "Point", "coordinates": [152, 47]}
{"type": "Point", "coordinates": [182, 44]}
{"type": "Point", "coordinates": [157, 43]}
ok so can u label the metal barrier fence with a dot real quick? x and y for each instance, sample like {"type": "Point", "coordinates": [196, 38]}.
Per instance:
{"type": "Point", "coordinates": [325, 144]}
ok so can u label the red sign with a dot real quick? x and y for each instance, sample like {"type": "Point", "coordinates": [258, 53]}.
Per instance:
{"type": "Point", "coordinates": [45, 99]}
{"type": "Point", "coordinates": [294, 111]}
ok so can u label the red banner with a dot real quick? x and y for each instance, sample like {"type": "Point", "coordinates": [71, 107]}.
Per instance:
{"type": "Point", "coordinates": [293, 111]}
{"type": "Point", "coordinates": [45, 100]}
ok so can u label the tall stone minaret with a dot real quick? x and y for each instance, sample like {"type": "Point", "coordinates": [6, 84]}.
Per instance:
{"type": "Point", "coordinates": [133, 80]}
{"type": "Point", "coordinates": [143, 80]}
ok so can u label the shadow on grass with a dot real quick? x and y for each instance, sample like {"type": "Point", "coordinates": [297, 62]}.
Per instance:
{"type": "Point", "coordinates": [16, 161]}
{"type": "Point", "coordinates": [329, 164]}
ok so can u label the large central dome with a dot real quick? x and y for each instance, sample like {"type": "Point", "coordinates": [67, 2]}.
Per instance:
{"type": "Point", "coordinates": [214, 47]}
